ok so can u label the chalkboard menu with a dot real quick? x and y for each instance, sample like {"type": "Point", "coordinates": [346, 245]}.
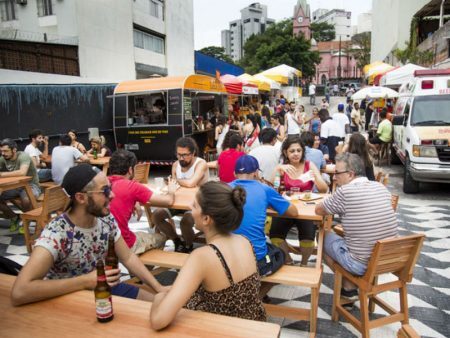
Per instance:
{"type": "Point", "coordinates": [175, 97]}
{"type": "Point", "coordinates": [187, 102]}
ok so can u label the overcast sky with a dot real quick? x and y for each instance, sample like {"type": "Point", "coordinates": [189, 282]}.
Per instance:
{"type": "Point", "coordinates": [211, 16]}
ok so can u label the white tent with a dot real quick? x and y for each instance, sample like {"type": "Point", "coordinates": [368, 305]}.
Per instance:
{"type": "Point", "coordinates": [397, 77]}
{"type": "Point", "coordinates": [273, 84]}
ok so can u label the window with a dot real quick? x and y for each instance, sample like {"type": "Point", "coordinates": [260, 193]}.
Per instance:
{"type": "Point", "coordinates": [246, 20]}
{"type": "Point", "coordinates": [157, 9]}
{"type": "Point", "coordinates": [8, 10]}
{"type": "Point", "coordinates": [147, 109]}
{"type": "Point", "coordinates": [148, 41]}
{"type": "Point", "coordinates": [256, 20]}
{"type": "Point", "coordinates": [44, 7]}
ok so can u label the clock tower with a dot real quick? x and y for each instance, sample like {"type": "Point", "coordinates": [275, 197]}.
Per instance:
{"type": "Point", "coordinates": [302, 19]}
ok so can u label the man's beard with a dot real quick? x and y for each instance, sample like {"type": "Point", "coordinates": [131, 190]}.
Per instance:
{"type": "Point", "coordinates": [96, 210]}
{"type": "Point", "coordinates": [183, 163]}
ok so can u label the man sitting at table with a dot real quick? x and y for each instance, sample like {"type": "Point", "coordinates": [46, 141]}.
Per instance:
{"type": "Point", "coordinates": [189, 171]}
{"type": "Point", "coordinates": [37, 139]}
{"type": "Point", "coordinates": [64, 157]}
{"type": "Point", "coordinates": [65, 255]}
{"type": "Point", "coordinates": [367, 216]}
{"type": "Point", "coordinates": [16, 163]}
{"type": "Point", "coordinates": [259, 198]}
{"type": "Point", "coordinates": [127, 193]}
{"type": "Point", "coordinates": [384, 133]}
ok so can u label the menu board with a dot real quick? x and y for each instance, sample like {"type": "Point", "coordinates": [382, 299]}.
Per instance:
{"type": "Point", "coordinates": [187, 103]}
{"type": "Point", "coordinates": [175, 101]}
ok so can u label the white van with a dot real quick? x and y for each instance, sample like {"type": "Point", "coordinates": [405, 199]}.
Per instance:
{"type": "Point", "coordinates": [422, 129]}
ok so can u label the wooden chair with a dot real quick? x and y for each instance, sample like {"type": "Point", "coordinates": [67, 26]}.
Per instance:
{"type": "Point", "coordinates": [55, 200]}
{"type": "Point", "coordinates": [406, 331]}
{"type": "Point", "coordinates": [141, 171]}
{"type": "Point", "coordinates": [394, 255]}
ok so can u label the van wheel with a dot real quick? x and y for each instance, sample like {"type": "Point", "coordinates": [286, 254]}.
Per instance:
{"type": "Point", "coordinates": [410, 186]}
{"type": "Point", "coordinates": [394, 157]}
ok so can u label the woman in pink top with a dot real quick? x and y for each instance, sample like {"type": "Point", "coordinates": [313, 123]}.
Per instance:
{"type": "Point", "coordinates": [296, 172]}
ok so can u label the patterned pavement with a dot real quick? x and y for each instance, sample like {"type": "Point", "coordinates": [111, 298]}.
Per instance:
{"type": "Point", "coordinates": [428, 294]}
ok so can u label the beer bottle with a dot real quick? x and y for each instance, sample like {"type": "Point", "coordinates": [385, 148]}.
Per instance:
{"type": "Point", "coordinates": [111, 260]}
{"type": "Point", "coordinates": [103, 300]}
{"type": "Point", "coordinates": [95, 154]}
{"type": "Point", "coordinates": [282, 187]}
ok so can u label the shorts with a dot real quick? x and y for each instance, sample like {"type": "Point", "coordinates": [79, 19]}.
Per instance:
{"type": "Point", "coordinates": [146, 241]}
{"type": "Point", "coordinates": [281, 226]}
{"type": "Point", "coordinates": [21, 192]}
{"type": "Point", "coordinates": [336, 248]}
{"type": "Point", "coordinates": [125, 290]}
{"type": "Point", "coordinates": [273, 260]}
{"type": "Point", "coordinates": [375, 140]}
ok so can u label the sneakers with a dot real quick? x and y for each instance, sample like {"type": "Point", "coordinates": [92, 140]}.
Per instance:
{"type": "Point", "coordinates": [350, 294]}
{"type": "Point", "coordinates": [14, 225]}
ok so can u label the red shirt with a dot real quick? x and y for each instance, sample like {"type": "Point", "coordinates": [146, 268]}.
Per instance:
{"type": "Point", "coordinates": [127, 193]}
{"type": "Point", "coordinates": [291, 183]}
{"type": "Point", "coordinates": [227, 161]}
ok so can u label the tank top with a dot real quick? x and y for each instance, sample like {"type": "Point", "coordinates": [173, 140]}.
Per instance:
{"type": "Point", "coordinates": [190, 172]}
{"type": "Point", "coordinates": [238, 300]}
{"type": "Point", "coordinates": [296, 183]}
{"type": "Point", "coordinates": [292, 127]}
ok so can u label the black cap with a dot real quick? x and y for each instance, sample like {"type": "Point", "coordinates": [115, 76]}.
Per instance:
{"type": "Point", "coordinates": [77, 178]}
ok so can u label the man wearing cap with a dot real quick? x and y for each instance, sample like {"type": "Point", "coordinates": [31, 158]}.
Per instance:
{"type": "Point", "coordinates": [342, 120]}
{"type": "Point", "coordinates": [65, 255]}
{"type": "Point", "coordinates": [259, 198]}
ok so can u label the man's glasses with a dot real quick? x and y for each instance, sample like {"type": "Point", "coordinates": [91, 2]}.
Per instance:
{"type": "Point", "coordinates": [341, 172]}
{"type": "Point", "coordinates": [183, 155]}
{"type": "Point", "coordinates": [105, 191]}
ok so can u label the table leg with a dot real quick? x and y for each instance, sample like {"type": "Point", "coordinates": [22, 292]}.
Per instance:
{"type": "Point", "coordinates": [30, 195]}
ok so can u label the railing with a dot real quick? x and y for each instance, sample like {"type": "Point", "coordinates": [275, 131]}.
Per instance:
{"type": "Point", "coordinates": [15, 34]}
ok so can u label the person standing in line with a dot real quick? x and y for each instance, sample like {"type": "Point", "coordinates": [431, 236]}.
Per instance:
{"type": "Point", "coordinates": [312, 93]}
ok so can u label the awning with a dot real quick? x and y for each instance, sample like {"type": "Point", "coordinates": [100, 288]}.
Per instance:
{"type": "Point", "coordinates": [249, 79]}
{"type": "Point", "coordinates": [378, 77]}
{"type": "Point", "coordinates": [274, 85]}
{"type": "Point", "coordinates": [193, 82]}
{"type": "Point", "coordinates": [232, 84]}
{"type": "Point", "coordinates": [378, 69]}
{"type": "Point", "coordinates": [282, 73]}
{"type": "Point", "coordinates": [397, 77]}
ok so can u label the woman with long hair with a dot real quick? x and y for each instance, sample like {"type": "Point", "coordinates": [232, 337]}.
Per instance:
{"type": "Point", "coordinates": [277, 124]}
{"type": "Point", "coordinates": [296, 172]}
{"type": "Point", "coordinates": [73, 136]}
{"type": "Point", "coordinates": [251, 133]}
{"type": "Point", "coordinates": [357, 144]}
{"type": "Point", "coordinates": [220, 277]}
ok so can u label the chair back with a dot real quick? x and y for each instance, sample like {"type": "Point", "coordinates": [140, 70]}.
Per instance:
{"type": "Point", "coordinates": [395, 255]}
{"type": "Point", "coordinates": [141, 171]}
{"type": "Point", "coordinates": [54, 200]}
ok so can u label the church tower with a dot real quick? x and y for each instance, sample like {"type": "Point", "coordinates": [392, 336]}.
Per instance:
{"type": "Point", "coordinates": [302, 19]}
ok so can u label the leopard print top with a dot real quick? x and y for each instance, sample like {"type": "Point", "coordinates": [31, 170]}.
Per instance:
{"type": "Point", "coordinates": [238, 300]}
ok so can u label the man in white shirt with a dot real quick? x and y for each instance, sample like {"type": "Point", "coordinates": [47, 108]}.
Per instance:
{"type": "Point", "coordinates": [292, 121]}
{"type": "Point", "coordinates": [37, 139]}
{"type": "Point", "coordinates": [267, 155]}
{"type": "Point", "coordinates": [330, 132]}
{"type": "Point", "coordinates": [64, 157]}
{"type": "Point", "coordinates": [312, 93]}
{"type": "Point", "coordinates": [342, 121]}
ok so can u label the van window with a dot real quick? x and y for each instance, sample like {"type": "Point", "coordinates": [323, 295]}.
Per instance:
{"type": "Point", "coordinates": [431, 111]}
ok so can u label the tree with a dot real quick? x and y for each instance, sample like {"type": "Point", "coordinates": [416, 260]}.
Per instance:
{"type": "Point", "coordinates": [217, 52]}
{"type": "Point", "coordinates": [277, 45]}
{"type": "Point", "coordinates": [323, 31]}
{"type": "Point", "coordinates": [361, 48]}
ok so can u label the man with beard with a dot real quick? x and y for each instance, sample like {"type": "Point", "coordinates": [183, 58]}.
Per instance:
{"type": "Point", "coordinates": [65, 255]}
{"type": "Point", "coordinates": [37, 140]}
{"type": "Point", "coordinates": [16, 163]}
{"type": "Point", "coordinates": [128, 195]}
{"type": "Point", "coordinates": [189, 171]}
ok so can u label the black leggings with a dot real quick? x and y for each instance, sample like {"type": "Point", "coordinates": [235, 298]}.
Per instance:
{"type": "Point", "coordinates": [281, 226]}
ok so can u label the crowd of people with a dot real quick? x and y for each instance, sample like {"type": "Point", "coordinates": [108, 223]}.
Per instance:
{"type": "Point", "coordinates": [255, 159]}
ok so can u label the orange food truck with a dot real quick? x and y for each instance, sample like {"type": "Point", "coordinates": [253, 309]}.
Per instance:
{"type": "Point", "coordinates": [151, 114]}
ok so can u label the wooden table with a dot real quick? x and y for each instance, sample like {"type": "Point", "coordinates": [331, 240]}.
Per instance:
{"type": "Point", "coordinates": [73, 315]}
{"type": "Point", "coordinates": [102, 162]}
{"type": "Point", "coordinates": [10, 183]}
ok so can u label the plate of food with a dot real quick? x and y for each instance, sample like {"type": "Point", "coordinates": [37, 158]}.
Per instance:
{"type": "Point", "coordinates": [309, 196]}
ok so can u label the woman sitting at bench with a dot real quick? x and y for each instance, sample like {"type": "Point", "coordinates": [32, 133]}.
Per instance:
{"type": "Point", "coordinates": [222, 276]}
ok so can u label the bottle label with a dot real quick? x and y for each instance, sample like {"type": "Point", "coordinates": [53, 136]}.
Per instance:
{"type": "Point", "coordinates": [103, 307]}
{"type": "Point", "coordinates": [101, 278]}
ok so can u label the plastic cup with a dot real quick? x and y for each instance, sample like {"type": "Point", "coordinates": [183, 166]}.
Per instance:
{"type": "Point", "coordinates": [295, 192]}
{"type": "Point", "coordinates": [159, 182]}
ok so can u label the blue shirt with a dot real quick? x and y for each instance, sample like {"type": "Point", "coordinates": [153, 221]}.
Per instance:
{"type": "Point", "coordinates": [259, 198]}
{"type": "Point", "coordinates": [315, 156]}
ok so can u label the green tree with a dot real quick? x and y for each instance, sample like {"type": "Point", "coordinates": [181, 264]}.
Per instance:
{"type": "Point", "coordinates": [323, 31]}
{"type": "Point", "coordinates": [361, 48]}
{"type": "Point", "coordinates": [277, 45]}
{"type": "Point", "coordinates": [217, 52]}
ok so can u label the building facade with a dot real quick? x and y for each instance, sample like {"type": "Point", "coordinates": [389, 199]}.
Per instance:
{"type": "Point", "coordinates": [364, 23]}
{"type": "Point", "coordinates": [253, 20]}
{"type": "Point", "coordinates": [340, 19]}
{"type": "Point", "coordinates": [393, 21]}
{"type": "Point", "coordinates": [114, 40]}
{"type": "Point", "coordinates": [302, 19]}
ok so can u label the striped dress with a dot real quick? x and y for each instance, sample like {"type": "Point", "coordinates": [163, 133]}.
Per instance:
{"type": "Point", "coordinates": [367, 215]}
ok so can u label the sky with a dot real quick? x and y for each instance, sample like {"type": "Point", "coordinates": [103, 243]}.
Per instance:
{"type": "Point", "coordinates": [212, 16]}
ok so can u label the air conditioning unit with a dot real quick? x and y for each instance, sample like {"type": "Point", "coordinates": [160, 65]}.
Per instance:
{"type": "Point", "coordinates": [21, 2]}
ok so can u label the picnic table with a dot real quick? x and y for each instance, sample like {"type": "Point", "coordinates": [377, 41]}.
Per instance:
{"type": "Point", "coordinates": [101, 162]}
{"type": "Point", "coordinates": [17, 182]}
{"type": "Point", "coordinates": [73, 315]}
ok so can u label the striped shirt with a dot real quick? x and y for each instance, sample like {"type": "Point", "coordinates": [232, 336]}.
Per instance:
{"type": "Point", "coordinates": [367, 215]}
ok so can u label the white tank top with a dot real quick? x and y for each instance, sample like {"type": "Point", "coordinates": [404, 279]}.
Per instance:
{"type": "Point", "coordinates": [292, 127]}
{"type": "Point", "coordinates": [190, 172]}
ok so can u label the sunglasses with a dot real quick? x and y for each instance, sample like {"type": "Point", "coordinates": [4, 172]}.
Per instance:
{"type": "Point", "coordinates": [106, 191]}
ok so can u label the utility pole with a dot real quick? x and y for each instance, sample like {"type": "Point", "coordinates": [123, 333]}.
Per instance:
{"type": "Point", "coordinates": [339, 59]}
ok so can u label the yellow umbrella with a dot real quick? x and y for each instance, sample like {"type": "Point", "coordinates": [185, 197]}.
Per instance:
{"type": "Point", "coordinates": [371, 65]}
{"type": "Point", "coordinates": [380, 69]}
{"type": "Point", "coordinates": [262, 85]}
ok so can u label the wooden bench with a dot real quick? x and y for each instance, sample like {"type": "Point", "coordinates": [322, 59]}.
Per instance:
{"type": "Point", "coordinates": [287, 275]}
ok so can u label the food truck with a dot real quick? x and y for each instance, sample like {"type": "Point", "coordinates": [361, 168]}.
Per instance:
{"type": "Point", "coordinates": [151, 114]}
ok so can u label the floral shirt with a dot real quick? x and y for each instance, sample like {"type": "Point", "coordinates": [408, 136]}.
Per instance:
{"type": "Point", "coordinates": [76, 250]}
